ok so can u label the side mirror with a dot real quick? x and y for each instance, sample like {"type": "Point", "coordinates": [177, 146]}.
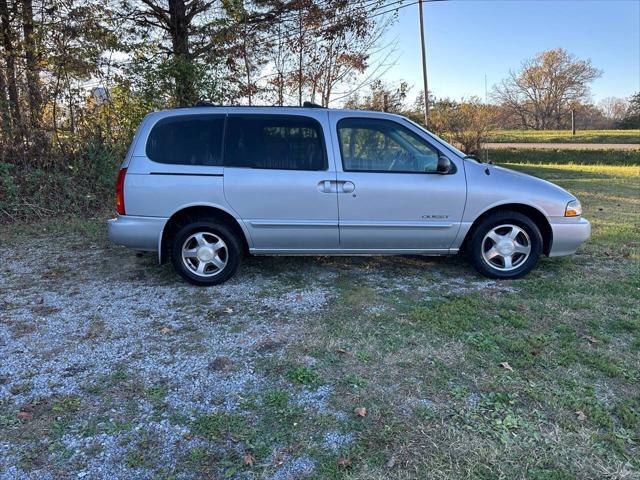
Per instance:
{"type": "Point", "coordinates": [444, 165]}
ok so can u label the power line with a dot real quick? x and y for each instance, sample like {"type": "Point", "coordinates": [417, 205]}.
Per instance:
{"type": "Point", "coordinates": [327, 26]}
{"type": "Point", "coordinates": [372, 16]}
{"type": "Point", "coordinates": [293, 14]}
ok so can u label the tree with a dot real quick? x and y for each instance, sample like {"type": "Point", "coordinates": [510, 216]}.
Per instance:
{"type": "Point", "coordinates": [381, 97]}
{"type": "Point", "coordinates": [632, 115]}
{"type": "Point", "coordinates": [613, 108]}
{"type": "Point", "coordinates": [318, 48]}
{"type": "Point", "coordinates": [465, 123]}
{"type": "Point", "coordinates": [5, 117]}
{"type": "Point", "coordinates": [32, 64]}
{"type": "Point", "coordinates": [343, 49]}
{"type": "Point", "coordinates": [176, 28]}
{"type": "Point", "coordinates": [7, 32]}
{"type": "Point", "coordinates": [545, 88]}
{"type": "Point", "coordinates": [588, 117]}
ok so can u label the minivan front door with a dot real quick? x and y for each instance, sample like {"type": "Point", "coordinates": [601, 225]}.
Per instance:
{"type": "Point", "coordinates": [395, 198]}
{"type": "Point", "coordinates": [280, 179]}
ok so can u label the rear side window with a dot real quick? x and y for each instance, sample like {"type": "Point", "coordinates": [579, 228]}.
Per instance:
{"type": "Point", "coordinates": [285, 142]}
{"type": "Point", "coordinates": [187, 140]}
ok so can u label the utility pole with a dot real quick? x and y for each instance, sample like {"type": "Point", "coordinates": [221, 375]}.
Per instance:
{"type": "Point", "coordinates": [424, 68]}
{"type": "Point", "coordinates": [486, 94]}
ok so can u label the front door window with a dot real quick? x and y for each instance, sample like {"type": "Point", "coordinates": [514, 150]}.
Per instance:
{"type": "Point", "coordinates": [373, 145]}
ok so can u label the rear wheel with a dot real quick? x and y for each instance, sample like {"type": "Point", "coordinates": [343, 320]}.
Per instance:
{"type": "Point", "coordinates": [505, 245]}
{"type": "Point", "coordinates": [205, 252]}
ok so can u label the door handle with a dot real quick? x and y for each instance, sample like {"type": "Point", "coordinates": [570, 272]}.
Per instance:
{"type": "Point", "coordinates": [331, 186]}
{"type": "Point", "coordinates": [347, 187]}
{"type": "Point", "coordinates": [326, 186]}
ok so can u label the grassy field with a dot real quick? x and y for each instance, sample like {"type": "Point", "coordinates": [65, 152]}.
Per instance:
{"type": "Point", "coordinates": [578, 157]}
{"type": "Point", "coordinates": [571, 332]}
{"type": "Point", "coordinates": [564, 136]}
{"type": "Point", "coordinates": [418, 342]}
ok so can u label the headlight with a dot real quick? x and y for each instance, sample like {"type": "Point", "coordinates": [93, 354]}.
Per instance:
{"type": "Point", "coordinates": [573, 209]}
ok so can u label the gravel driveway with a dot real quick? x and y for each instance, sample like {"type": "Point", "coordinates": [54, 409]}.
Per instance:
{"type": "Point", "coordinates": [111, 367]}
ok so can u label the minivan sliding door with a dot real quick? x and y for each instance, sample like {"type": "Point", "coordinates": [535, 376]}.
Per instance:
{"type": "Point", "coordinates": [279, 178]}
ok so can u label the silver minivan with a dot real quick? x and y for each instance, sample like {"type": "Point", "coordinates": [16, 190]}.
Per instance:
{"type": "Point", "coordinates": [204, 186]}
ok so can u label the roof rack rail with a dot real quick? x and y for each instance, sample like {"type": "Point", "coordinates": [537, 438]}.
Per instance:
{"type": "Point", "coordinates": [311, 105]}
{"type": "Point", "coordinates": [304, 105]}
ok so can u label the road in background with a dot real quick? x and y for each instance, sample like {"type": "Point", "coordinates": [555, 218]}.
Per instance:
{"type": "Point", "coordinates": [564, 146]}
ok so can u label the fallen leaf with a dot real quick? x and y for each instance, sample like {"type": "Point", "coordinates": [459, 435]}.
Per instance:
{"type": "Point", "coordinates": [165, 330]}
{"type": "Point", "coordinates": [248, 459]}
{"type": "Point", "coordinates": [221, 363]}
{"type": "Point", "coordinates": [340, 350]}
{"type": "Point", "coordinates": [298, 298]}
{"type": "Point", "coordinates": [391, 463]}
{"type": "Point", "coordinates": [361, 411]}
{"type": "Point", "coordinates": [25, 416]}
{"type": "Point", "coordinates": [344, 462]}
{"type": "Point", "coordinates": [506, 366]}
{"type": "Point", "coordinates": [590, 339]}
{"type": "Point", "coordinates": [228, 310]}
{"type": "Point", "coordinates": [581, 416]}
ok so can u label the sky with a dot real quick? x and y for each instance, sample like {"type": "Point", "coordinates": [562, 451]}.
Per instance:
{"type": "Point", "coordinates": [468, 39]}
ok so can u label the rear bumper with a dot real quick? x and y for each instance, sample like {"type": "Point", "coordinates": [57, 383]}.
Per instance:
{"type": "Point", "coordinates": [567, 237]}
{"type": "Point", "coordinates": [139, 233]}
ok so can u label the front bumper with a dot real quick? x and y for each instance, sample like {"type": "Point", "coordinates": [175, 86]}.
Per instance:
{"type": "Point", "coordinates": [567, 237]}
{"type": "Point", "coordinates": [139, 233]}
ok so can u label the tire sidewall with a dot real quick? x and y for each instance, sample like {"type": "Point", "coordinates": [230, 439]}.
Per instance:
{"type": "Point", "coordinates": [500, 218]}
{"type": "Point", "coordinates": [234, 252]}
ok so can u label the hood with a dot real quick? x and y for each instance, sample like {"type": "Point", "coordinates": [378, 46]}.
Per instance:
{"type": "Point", "coordinates": [524, 179]}
{"type": "Point", "coordinates": [503, 185]}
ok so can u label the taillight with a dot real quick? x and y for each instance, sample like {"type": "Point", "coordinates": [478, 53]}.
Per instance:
{"type": "Point", "coordinates": [120, 191]}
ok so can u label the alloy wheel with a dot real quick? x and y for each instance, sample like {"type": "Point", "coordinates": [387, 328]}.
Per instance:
{"type": "Point", "coordinates": [506, 247]}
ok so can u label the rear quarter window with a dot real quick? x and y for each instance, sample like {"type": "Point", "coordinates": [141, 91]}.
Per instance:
{"type": "Point", "coordinates": [187, 140]}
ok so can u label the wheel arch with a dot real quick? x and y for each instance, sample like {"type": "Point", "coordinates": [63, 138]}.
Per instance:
{"type": "Point", "coordinates": [539, 218]}
{"type": "Point", "coordinates": [190, 214]}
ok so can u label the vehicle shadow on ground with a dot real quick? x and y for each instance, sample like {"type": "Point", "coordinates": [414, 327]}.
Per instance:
{"type": "Point", "coordinates": [274, 266]}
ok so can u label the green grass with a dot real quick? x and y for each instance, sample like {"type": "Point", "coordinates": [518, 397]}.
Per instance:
{"type": "Point", "coordinates": [93, 227]}
{"type": "Point", "coordinates": [565, 157]}
{"type": "Point", "coordinates": [425, 362]}
{"type": "Point", "coordinates": [564, 136]}
{"type": "Point", "coordinates": [439, 400]}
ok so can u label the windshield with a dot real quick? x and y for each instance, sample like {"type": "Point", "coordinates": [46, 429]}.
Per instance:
{"type": "Point", "coordinates": [435, 137]}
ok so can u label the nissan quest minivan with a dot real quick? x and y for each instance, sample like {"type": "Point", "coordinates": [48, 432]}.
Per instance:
{"type": "Point", "coordinates": [204, 186]}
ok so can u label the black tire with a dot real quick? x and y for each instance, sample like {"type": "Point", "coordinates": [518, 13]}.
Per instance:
{"type": "Point", "coordinates": [475, 247]}
{"type": "Point", "coordinates": [232, 253]}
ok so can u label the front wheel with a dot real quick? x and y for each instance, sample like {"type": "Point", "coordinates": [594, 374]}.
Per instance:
{"type": "Point", "coordinates": [205, 252]}
{"type": "Point", "coordinates": [505, 245]}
